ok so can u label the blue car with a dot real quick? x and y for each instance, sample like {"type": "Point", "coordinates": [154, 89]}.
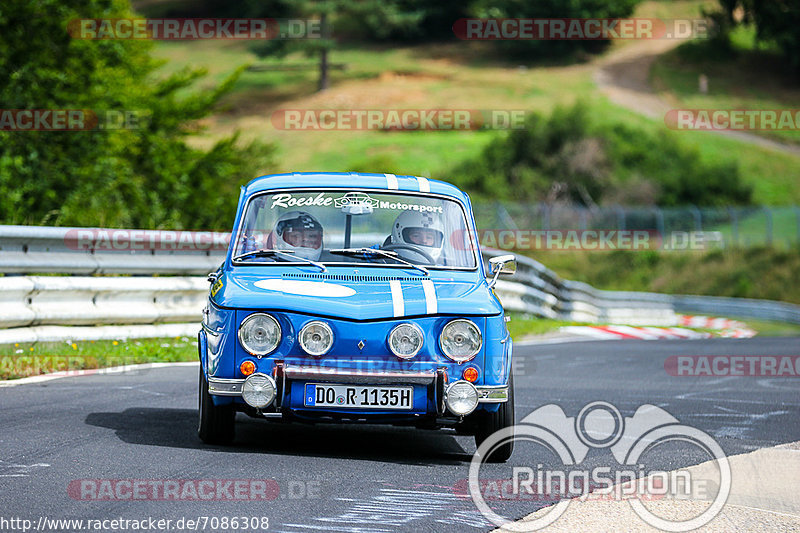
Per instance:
{"type": "Point", "coordinates": [356, 298]}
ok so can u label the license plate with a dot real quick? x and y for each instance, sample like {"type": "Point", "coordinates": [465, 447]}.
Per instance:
{"type": "Point", "coordinates": [358, 396]}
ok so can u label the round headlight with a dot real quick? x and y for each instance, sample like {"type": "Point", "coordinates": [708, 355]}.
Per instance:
{"type": "Point", "coordinates": [316, 338]}
{"type": "Point", "coordinates": [405, 340]}
{"type": "Point", "coordinates": [258, 390]}
{"type": "Point", "coordinates": [260, 334]}
{"type": "Point", "coordinates": [462, 398]}
{"type": "Point", "coordinates": [461, 340]}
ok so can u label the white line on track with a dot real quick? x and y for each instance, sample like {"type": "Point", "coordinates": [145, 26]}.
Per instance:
{"type": "Point", "coordinates": [81, 373]}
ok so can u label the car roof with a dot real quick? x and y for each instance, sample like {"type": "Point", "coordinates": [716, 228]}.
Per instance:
{"type": "Point", "coordinates": [356, 180]}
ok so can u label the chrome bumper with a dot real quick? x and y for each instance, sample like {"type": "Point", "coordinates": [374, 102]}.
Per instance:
{"type": "Point", "coordinates": [233, 387]}
{"type": "Point", "coordinates": [225, 386]}
{"type": "Point", "coordinates": [492, 393]}
{"type": "Point", "coordinates": [347, 375]}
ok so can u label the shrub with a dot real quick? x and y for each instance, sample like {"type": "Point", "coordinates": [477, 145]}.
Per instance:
{"type": "Point", "coordinates": [145, 177]}
{"type": "Point", "coordinates": [565, 157]}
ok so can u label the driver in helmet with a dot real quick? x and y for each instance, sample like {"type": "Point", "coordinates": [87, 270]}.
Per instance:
{"type": "Point", "coordinates": [298, 232]}
{"type": "Point", "coordinates": [420, 230]}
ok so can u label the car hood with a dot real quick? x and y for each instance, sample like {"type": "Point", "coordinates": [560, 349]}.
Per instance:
{"type": "Point", "coordinates": [353, 297]}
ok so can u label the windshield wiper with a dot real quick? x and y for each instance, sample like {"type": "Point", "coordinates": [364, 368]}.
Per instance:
{"type": "Point", "coordinates": [375, 251]}
{"type": "Point", "coordinates": [270, 253]}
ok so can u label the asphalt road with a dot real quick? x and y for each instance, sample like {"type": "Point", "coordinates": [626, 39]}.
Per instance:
{"type": "Point", "coordinates": [142, 425]}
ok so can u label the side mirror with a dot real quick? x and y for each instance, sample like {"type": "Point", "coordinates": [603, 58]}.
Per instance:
{"type": "Point", "coordinates": [502, 264]}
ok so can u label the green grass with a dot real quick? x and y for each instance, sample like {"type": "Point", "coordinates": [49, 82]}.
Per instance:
{"type": "Point", "coordinates": [771, 329]}
{"type": "Point", "coordinates": [23, 360]}
{"type": "Point", "coordinates": [424, 78]}
{"type": "Point", "coordinates": [522, 325]}
{"type": "Point", "coordinates": [752, 228]}
{"type": "Point", "coordinates": [750, 76]}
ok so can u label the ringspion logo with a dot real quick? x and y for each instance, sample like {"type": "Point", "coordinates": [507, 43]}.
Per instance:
{"type": "Point", "coordinates": [626, 476]}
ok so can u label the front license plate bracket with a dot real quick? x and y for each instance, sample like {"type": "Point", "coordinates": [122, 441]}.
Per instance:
{"type": "Point", "coordinates": [341, 396]}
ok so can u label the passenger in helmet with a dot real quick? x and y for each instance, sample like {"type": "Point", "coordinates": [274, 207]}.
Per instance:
{"type": "Point", "coordinates": [424, 230]}
{"type": "Point", "coordinates": [298, 232]}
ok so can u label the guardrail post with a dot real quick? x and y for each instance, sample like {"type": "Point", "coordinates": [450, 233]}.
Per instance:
{"type": "Point", "coordinates": [797, 216]}
{"type": "Point", "coordinates": [546, 217]}
{"type": "Point", "coordinates": [660, 226]}
{"type": "Point", "coordinates": [735, 225]}
{"type": "Point", "coordinates": [620, 218]}
{"type": "Point", "coordinates": [502, 214]}
{"type": "Point", "coordinates": [768, 224]}
{"type": "Point", "coordinates": [698, 218]}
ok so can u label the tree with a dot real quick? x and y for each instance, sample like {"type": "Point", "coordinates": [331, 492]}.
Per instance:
{"type": "Point", "coordinates": [144, 176]}
{"type": "Point", "coordinates": [552, 9]}
{"type": "Point", "coordinates": [388, 14]}
{"type": "Point", "coordinates": [776, 21]}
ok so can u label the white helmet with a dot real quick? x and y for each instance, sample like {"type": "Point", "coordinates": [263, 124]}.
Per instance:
{"type": "Point", "coordinates": [299, 232]}
{"type": "Point", "coordinates": [424, 230]}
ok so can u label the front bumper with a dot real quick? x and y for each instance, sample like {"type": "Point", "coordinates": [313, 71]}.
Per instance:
{"type": "Point", "coordinates": [284, 374]}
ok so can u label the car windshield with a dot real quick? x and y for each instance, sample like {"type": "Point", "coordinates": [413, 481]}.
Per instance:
{"type": "Point", "coordinates": [340, 226]}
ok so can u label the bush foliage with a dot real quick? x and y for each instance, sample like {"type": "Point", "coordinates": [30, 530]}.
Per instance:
{"type": "Point", "coordinates": [135, 177]}
{"type": "Point", "coordinates": [565, 157]}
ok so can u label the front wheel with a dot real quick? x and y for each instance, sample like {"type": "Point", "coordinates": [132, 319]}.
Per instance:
{"type": "Point", "coordinates": [216, 422]}
{"type": "Point", "coordinates": [489, 423]}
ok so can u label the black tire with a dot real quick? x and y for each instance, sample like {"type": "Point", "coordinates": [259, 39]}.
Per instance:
{"type": "Point", "coordinates": [217, 423]}
{"type": "Point", "coordinates": [491, 422]}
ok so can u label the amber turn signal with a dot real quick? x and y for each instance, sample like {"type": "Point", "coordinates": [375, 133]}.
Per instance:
{"type": "Point", "coordinates": [471, 374]}
{"type": "Point", "coordinates": [247, 367]}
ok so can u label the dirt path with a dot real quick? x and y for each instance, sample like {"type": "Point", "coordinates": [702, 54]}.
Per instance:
{"type": "Point", "coordinates": [623, 76]}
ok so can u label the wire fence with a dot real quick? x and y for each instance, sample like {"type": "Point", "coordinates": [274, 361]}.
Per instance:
{"type": "Point", "coordinates": [723, 227]}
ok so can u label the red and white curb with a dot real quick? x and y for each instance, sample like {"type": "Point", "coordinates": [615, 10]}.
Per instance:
{"type": "Point", "coordinates": [725, 328]}
{"type": "Point", "coordinates": [631, 332]}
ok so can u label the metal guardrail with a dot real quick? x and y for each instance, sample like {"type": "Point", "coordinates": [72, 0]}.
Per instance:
{"type": "Point", "coordinates": [34, 307]}
{"type": "Point", "coordinates": [39, 249]}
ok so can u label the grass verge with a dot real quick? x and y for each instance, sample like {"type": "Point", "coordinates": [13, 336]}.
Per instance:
{"type": "Point", "coordinates": [748, 76]}
{"type": "Point", "coordinates": [23, 360]}
{"type": "Point", "coordinates": [441, 76]}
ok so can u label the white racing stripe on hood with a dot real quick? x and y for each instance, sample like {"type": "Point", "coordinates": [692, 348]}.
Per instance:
{"type": "Point", "coordinates": [431, 305]}
{"type": "Point", "coordinates": [424, 185]}
{"type": "Point", "coordinates": [398, 306]}
{"type": "Point", "coordinates": [391, 181]}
